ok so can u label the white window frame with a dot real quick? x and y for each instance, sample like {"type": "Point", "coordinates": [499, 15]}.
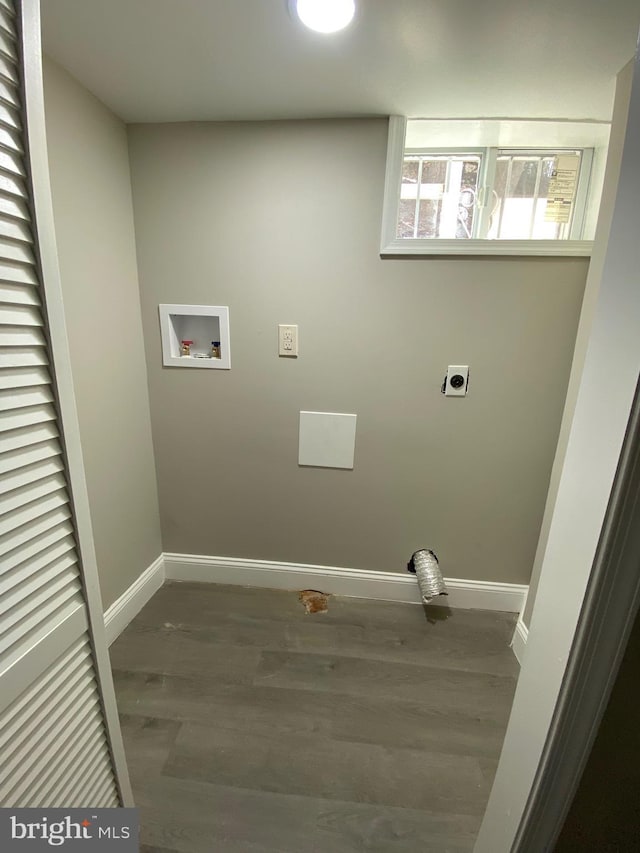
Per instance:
{"type": "Point", "coordinates": [391, 245]}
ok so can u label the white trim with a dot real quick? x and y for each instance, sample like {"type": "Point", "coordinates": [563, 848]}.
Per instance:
{"type": "Point", "coordinates": [133, 599]}
{"type": "Point", "coordinates": [519, 641]}
{"type": "Point", "coordinates": [392, 181]}
{"type": "Point", "coordinates": [518, 248]}
{"type": "Point", "coordinates": [358, 583]}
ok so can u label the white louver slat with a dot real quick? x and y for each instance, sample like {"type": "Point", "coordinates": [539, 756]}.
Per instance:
{"type": "Point", "coordinates": [23, 456]}
{"type": "Point", "coordinates": [14, 251]}
{"type": "Point", "coordinates": [20, 377]}
{"type": "Point", "coordinates": [30, 474]}
{"type": "Point", "coordinates": [11, 206]}
{"type": "Point", "coordinates": [17, 274]}
{"type": "Point", "coordinates": [8, 46]}
{"type": "Point", "coordinates": [10, 184]}
{"type": "Point", "coordinates": [31, 565]}
{"type": "Point", "coordinates": [40, 732]}
{"type": "Point", "coordinates": [9, 139]}
{"type": "Point", "coordinates": [36, 546]}
{"type": "Point", "coordinates": [22, 398]}
{"type": "Point", "coordinates": [21, 356]}
{"type": "Point", "coordinates": [18, 498]}
{"type": "Point", "coordinates": [100, 791]}
{"type": "Point", "coordinates": [8, 162]}
{"type": "Point", "coordinates": [14, 229]}
{"type": "Point", "coordinates": [20, 438]}
{"type": "Point", "coordinates": [10, 420]}
{"type": "Point", "coordinates": [12, 337]}
{"type": "Point", "coordinates": [13, 294]}
{"type": "Point", "coordinates": [9, 116]}
{"type": "Point", "coordinates": [54, 749]}
{"type": "Point", "coordinates": [6, 19]}
{"type": "Point", "coordinates": [33, 611]}
{"type": "Point", "coordinates": [28, 514]}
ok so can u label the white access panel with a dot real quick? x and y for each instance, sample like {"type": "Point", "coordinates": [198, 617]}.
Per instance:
{"type": "Point", "coordinates": [327, 439]}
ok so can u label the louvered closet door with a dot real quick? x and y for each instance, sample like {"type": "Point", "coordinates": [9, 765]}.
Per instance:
{"type": "Point", "coordinates": [54, 749]}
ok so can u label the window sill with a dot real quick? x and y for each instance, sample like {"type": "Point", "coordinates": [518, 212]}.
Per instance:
{"type": "Point", "coordinates": [535, 248]}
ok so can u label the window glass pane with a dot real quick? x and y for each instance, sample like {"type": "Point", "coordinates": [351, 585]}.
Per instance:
{"type": "Point", "coordinates": [502, 172]}
{"type": "Point", "coordinates": [516, 218]}
{"type": "Point", "coordinates": [548, 164]}
{"type": "Point", "coordinates": [496, 197]}
{"type": "Point", "coordinates": [560, 192]}
{"type": "Point", "coordinates": [521, 188]}
{"type": "Point", "coordinates": [518, 203]}
{"type": "Point", "coordinates": [406, 219]}
{"type": "Point", "coordinates": [408, 198]}
{"type": "Point", "coordinates": [524, 173]}
{"type": "Point", "coordinates": [434, 171]}
{"type": "Point", "coordinates": [441, 191]}
{"type": "Point", "coordinates": [543, 230]}
{"type": "Point", "coordinates": [468, 197]}
{"type": "Point", "coordinates": [410, 174]}
{"type": "Point", "coordinates": [428, 219]}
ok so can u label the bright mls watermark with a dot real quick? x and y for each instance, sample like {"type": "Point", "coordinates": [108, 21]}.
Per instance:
{"type": "Point", "coordinates": [79, 830]}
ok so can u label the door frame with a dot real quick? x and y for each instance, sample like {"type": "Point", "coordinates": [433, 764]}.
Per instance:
{"type": "Point", "coordinates": [588, 593]}
{"type": "Point", "coordinates": [610, 608]}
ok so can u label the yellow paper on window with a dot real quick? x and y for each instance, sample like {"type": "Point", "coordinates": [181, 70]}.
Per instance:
{"type": "Point", "coordinates": [562, 188]}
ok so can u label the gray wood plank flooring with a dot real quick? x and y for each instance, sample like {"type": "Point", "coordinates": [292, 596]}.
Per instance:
{"type": "Point", "coordinates": [251, 726]}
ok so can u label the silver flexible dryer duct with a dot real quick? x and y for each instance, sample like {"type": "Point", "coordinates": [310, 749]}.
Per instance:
{"type": "Point", "coordinates": [427, 570]}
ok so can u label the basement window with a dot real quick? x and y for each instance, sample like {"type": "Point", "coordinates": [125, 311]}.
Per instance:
{"type": "Point", "coordinates": [492, 199]}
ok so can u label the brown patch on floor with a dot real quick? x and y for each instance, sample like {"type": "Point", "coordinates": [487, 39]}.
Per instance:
{"type": "Point", "coordinates": [314, 601]}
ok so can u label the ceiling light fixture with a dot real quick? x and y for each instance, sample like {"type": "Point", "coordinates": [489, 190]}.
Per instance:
{"type": "Point", "coordinates": [324, 16]}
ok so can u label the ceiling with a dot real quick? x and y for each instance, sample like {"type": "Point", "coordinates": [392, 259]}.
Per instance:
{"type": "Point", "coordinates": [182, 60]}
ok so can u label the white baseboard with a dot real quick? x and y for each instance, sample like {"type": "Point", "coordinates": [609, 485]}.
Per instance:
{"type": "Point", "coordinates": [519, 641]}
{"type": "Point", "coordinates": [358, 583]}
{"type": "Point", "coordinates": [133, 599]}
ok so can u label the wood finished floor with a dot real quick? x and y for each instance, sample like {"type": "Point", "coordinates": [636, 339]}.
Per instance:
{"type": "Point", "coordinates": [252, 727]}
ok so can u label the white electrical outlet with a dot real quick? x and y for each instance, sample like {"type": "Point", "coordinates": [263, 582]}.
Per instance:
{"type": "Point", "coordinates": [456, 382]}
{"type": "Point", "coordinates": [288, 341]}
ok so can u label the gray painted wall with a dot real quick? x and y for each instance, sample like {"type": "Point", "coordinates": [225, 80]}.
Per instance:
{"type": "Point", "coordinates": [96, 244]}
{"type": "Point", "coordinates": [281, 222]}
{"type": "Point", "coordinates": [592, 288]}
